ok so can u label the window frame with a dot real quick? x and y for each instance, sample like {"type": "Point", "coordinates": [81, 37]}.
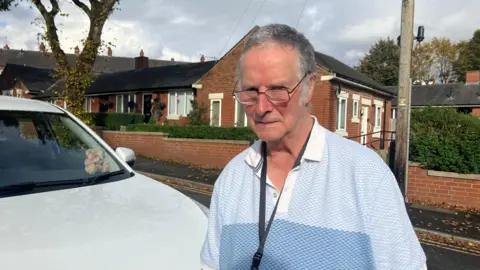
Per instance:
{"type": "Point", "coordinates": [122, 100]}
{"type": "Point", "coordinates": [355, 112]}
{"type": "Point", "coordinates": [176, 115]}
{"type": "Point", "coordinates": [377, 127]}
{"type": "Point", "coordinates": [338, 129]}
{"type": "Point", "coordinates": [216, 97]}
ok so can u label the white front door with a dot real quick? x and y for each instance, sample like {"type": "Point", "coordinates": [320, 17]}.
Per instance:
{"type": "Point", "coordinates": [364, 127]}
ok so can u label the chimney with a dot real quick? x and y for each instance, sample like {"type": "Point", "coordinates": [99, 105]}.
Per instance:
{"type": "Point", "coordinates": [202, 59]}
{"type": "Point", "coordinates": [173, 59]}
{"type": "Point", "coordinates": [5, 47]}
{"type": "Point", "coordinates": [42, 47]}
{"type": "Point", "coordinates": [109, 51]}
{"type": "Point", "coordinates": [77, 50]}
{"type": "Point", "coordinates": [141, 61]}
{"type": "Point", "coordinates": [473, 77]}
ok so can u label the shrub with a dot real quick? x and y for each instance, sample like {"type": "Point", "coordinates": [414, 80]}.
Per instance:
{"type": "Point", "coordinates": [113, 121]}
{"type": "Point", "coordinates": [445, 140]}
{"type": "Point", "coordinates": [198, 132]}
{"type": "Point", "coordinates": [196, 117]}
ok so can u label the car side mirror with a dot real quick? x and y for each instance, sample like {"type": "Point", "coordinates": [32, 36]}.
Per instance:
{"type": "Point", "coordinates": [126, 154]}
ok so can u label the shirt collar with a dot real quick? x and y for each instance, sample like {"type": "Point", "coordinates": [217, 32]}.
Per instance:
{"type": "Point", "coordinates": [313, 152]}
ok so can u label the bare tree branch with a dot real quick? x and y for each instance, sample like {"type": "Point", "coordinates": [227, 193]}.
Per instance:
{"type": "Point", "coordinates": [100, 11]}
{"type": "Point", "coordinates": [84, 7]}
{"type": "Point", "coordinates": [55, 7]}
{"type": "Point", "coordinates": [51, 31]}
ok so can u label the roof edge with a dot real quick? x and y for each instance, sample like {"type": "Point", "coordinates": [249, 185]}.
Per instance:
{"type": "Point", "coordinates": [256, 27]}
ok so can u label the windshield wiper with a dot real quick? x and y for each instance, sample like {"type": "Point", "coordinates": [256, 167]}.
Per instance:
{"type": "Point", "coordinates": [102, 177]}
{"type": "Point", "coordinates": [29, 186]}
{"type": "Point", "coordinates": [17, 188]}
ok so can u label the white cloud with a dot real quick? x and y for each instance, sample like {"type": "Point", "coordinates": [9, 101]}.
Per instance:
{"type": "Point", "coordinates": [370, 29]}
{"type": "Point", "coordinates": [354, 54]}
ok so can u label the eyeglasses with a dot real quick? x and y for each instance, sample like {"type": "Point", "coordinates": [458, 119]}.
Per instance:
{"type": "Point", "coordinates": [276, 95]}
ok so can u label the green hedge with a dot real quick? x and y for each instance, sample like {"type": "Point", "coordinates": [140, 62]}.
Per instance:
{"type": "Point", "coordinates": [198, 132]}
{"type": "Point", "coordinates": [113, 121]}
{"type": "Point", "coordinates": [445, 140]}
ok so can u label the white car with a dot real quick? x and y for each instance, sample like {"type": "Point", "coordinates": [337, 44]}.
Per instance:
{"type": "Point", "coordinates": [69, 201]}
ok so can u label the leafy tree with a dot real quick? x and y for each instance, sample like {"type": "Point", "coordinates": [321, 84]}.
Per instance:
{"type": "Point", "coordinates": [196, 117]}
{"type": "Point", "coordinates": [468, 56]}
{"type": "Point", "coordinates": [444, 54]}
{"type": "Point", "coordinates": [422, 62]}
{"type": "Point", "coordinates": [5, 5]}
{"type": "Point", "coordinates": [381, 63]}
{"type": "Point", "coordinates": [76, 76]}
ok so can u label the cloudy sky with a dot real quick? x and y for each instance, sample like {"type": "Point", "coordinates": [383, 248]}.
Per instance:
{"type": "Point", "coordinates": [186, 29]}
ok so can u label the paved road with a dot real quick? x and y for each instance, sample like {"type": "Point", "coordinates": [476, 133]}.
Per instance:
{"type": "Point", "coordinates": [439, 258]}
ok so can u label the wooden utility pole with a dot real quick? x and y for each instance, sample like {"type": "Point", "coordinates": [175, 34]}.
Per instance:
{"type": "Point", "coordinates": [403, 97]}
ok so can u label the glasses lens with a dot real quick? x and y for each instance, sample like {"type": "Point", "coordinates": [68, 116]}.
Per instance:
{"type": "Point", "coordinates": [277, 96]}
{"type": "Point", "coordinates": [247, 96]}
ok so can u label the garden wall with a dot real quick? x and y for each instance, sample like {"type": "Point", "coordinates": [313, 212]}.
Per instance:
{"type": "Point", "coordinates": [443, 187]}
{"type": "Point", "coordinates": [423, 185]}
{"type": "Point", "coordinates": [208, 153]}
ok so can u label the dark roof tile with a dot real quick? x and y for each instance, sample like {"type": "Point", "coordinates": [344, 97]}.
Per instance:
{"type": "Point", "coordinates": [174, 76]}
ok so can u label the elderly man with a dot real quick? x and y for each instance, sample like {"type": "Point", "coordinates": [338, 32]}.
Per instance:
{"type": "Point", "coordinates": [301, 197]}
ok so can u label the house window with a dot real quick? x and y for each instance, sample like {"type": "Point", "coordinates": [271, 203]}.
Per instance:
{"type": "Point", "coordinates": [355, 109]}
{"type": "Point", "coordinates": [378, 118]}
{"type": "Point", "coordinates": [215, 109]}
{"type": "Point", "coordinates": [179, 103]}
{"type": "Point", "coordinates": [121, 103]}
{"type": "Point", "coordinates": [240, 115]}
{"type": "Point", "coordinates": [342, 114]}
{"type": "Point", "coordinates": [88, 104]}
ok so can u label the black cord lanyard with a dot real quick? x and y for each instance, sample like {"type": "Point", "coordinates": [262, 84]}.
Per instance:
{"type": "Point", "coordinates": [262, 232]}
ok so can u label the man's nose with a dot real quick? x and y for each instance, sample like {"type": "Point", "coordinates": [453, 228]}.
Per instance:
{"type": "Point", "coordinates": [263, 104]}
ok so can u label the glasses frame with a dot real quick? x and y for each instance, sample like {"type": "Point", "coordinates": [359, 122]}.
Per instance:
{"type": "Point", "coordinates": [289, 91]}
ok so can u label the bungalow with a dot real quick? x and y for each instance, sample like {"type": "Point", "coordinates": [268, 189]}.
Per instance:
{"type": "Point", "coordinates": [24, 81]}
{"type": "Point", "coordinates": [135, 90]}
{"type": "Point", "coordinates": [465, 97]}
{"type": "Point", "coordinates": [345, 101]}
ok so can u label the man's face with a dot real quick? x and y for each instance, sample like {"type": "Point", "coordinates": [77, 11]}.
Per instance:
{"type": "Point", "coordinates": [273, 67]}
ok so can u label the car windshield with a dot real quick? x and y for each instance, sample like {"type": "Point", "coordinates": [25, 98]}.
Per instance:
{"type": "Point", "coordinates": [38, 147]}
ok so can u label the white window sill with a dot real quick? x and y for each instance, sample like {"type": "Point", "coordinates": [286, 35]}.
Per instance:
{"type": "Point", "coordinates": [341, 133]}
{"type": "Point", "coordinates": [355, 120]}
{"type": "Point", "coordinates": [173, 117]}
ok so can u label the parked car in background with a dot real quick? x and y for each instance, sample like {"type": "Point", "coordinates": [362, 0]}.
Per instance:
{"type": "Point", "coordinates": [69, 201]}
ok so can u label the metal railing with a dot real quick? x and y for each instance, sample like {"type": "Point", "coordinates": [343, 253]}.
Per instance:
{"type": "Point", "coordinates": [381, 139]}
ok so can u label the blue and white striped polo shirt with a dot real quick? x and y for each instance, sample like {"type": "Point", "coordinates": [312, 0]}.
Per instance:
{"type": "Point", "coordinates": [341, 209]}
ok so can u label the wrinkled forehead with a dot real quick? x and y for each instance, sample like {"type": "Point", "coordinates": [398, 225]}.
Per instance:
{"type": "Point", "coordinates": [269, 64]}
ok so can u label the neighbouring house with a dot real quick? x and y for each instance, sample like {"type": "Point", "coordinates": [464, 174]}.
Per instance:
{"type": "Point", "coordinates": [24, 81]}
{"type": "Point", "coordinates": [103, 63]}
{"type": "Point", "coordinates": [465, 97]}
{"type": "Point", "coordinates": [135, 90]}
{"type": "Point", "coordinates": [345, 101]}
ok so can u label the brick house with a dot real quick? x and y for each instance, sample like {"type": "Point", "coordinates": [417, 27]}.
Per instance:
{"type": "Point", "coordinates": [134, 91]}
{"type": "Point", "coordinates": [465, 97]}
{"type": "Point", "coordinates": [24, 81]}
{"type": "Point", "coordinates": [345, 101]}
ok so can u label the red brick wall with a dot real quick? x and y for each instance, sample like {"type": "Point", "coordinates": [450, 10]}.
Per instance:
{"type": "Point", "coordinates": [476, 111]}
{"type": "Point", "coordinates": [472, 76]}
{"type": "Point", "coordinates": [208, 153]}
{"type": "Point", "coordinates": [450, 188]}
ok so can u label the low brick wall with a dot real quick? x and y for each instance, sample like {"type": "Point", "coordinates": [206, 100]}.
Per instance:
{"type": "Point", "coordinates": [205, 153]}
{"type": "Point", "coordinates": [443, 187]}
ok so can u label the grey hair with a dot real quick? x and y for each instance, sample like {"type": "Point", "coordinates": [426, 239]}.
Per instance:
{"type": "Point", "coordinates": [287, 36]}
